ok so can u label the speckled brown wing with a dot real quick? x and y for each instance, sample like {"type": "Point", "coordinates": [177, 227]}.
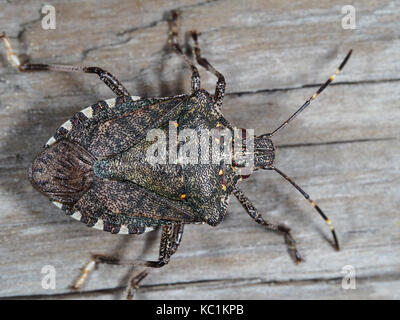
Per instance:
{"type": "Point", "coordinates": [119, 127]}
{"type": "Point", "coordinates": [125, 207]}
{"type": "Point", "coordinates": [64, 173]}
{"type": "Point", "coordinates": [64, 170]}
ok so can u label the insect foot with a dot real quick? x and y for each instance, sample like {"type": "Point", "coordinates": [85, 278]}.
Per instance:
{"type": "Point", "coordinates": [11, 55]}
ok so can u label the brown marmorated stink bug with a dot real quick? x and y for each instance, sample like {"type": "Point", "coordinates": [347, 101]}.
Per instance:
{"type": "Point", "coordinates": [96, 167]}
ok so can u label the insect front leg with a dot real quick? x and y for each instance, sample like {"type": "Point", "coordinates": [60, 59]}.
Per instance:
{"type": "Point", "coordinates": [112, 82]}
{"type": "Point", "coordinates": [253, 212]}
{"type": "Point", "coordinates": [170, 239]}
{"type": "Point", "coordinates": [173, 40]}
{"type": "Point", "coordinates": [221, 84]}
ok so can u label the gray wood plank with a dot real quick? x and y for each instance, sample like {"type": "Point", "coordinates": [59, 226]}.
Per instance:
{"type": "Point", "coordinates": [344, 150]}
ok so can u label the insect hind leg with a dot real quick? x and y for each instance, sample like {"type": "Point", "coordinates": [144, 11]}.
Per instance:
{"type": "Point", "coordinates": [170, 239]}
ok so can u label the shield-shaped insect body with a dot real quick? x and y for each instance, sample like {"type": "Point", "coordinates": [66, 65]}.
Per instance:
{"type": "Point", "coordinates": [95, 167]}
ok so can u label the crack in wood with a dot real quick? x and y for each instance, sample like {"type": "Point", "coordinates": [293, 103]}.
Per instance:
{"type": "Point", "coordinates": [216, 283]}
{"type": "Point", "coordinates": [360, 82]}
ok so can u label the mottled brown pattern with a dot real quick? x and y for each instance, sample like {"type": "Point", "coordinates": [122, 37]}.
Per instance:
{"type": "Point", "coordinates": [125, 203]}
{"type": "Point", "coordinates": [207, 190]}
{"type": "Point", "coordinates": [116, 129]}
{"type": "Point", "coordinates": [62, 172]}
{"type": "Point", "coordinates": [164, 179]}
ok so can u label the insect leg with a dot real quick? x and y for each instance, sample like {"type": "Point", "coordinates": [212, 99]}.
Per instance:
{"type": "Point", "coordinates": [170, 240]}
{"type": "Point", "coordinates": [112, 82]}
{"type": "Point", "coordinates": [174, 43]}
{"type": "Point", "coordinates": [221, 84]}
{"type": "Point", "coordinates": [134, 284]}
{"type": "Point", "coordinates": [254, 214]}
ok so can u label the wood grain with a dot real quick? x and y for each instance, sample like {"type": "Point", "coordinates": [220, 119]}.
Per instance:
{"type": "Point", "coordinates": [344, 150]}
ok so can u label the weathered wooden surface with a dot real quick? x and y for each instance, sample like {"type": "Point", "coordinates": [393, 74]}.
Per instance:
{"type": "Point", "coordinates": [344, 150]}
